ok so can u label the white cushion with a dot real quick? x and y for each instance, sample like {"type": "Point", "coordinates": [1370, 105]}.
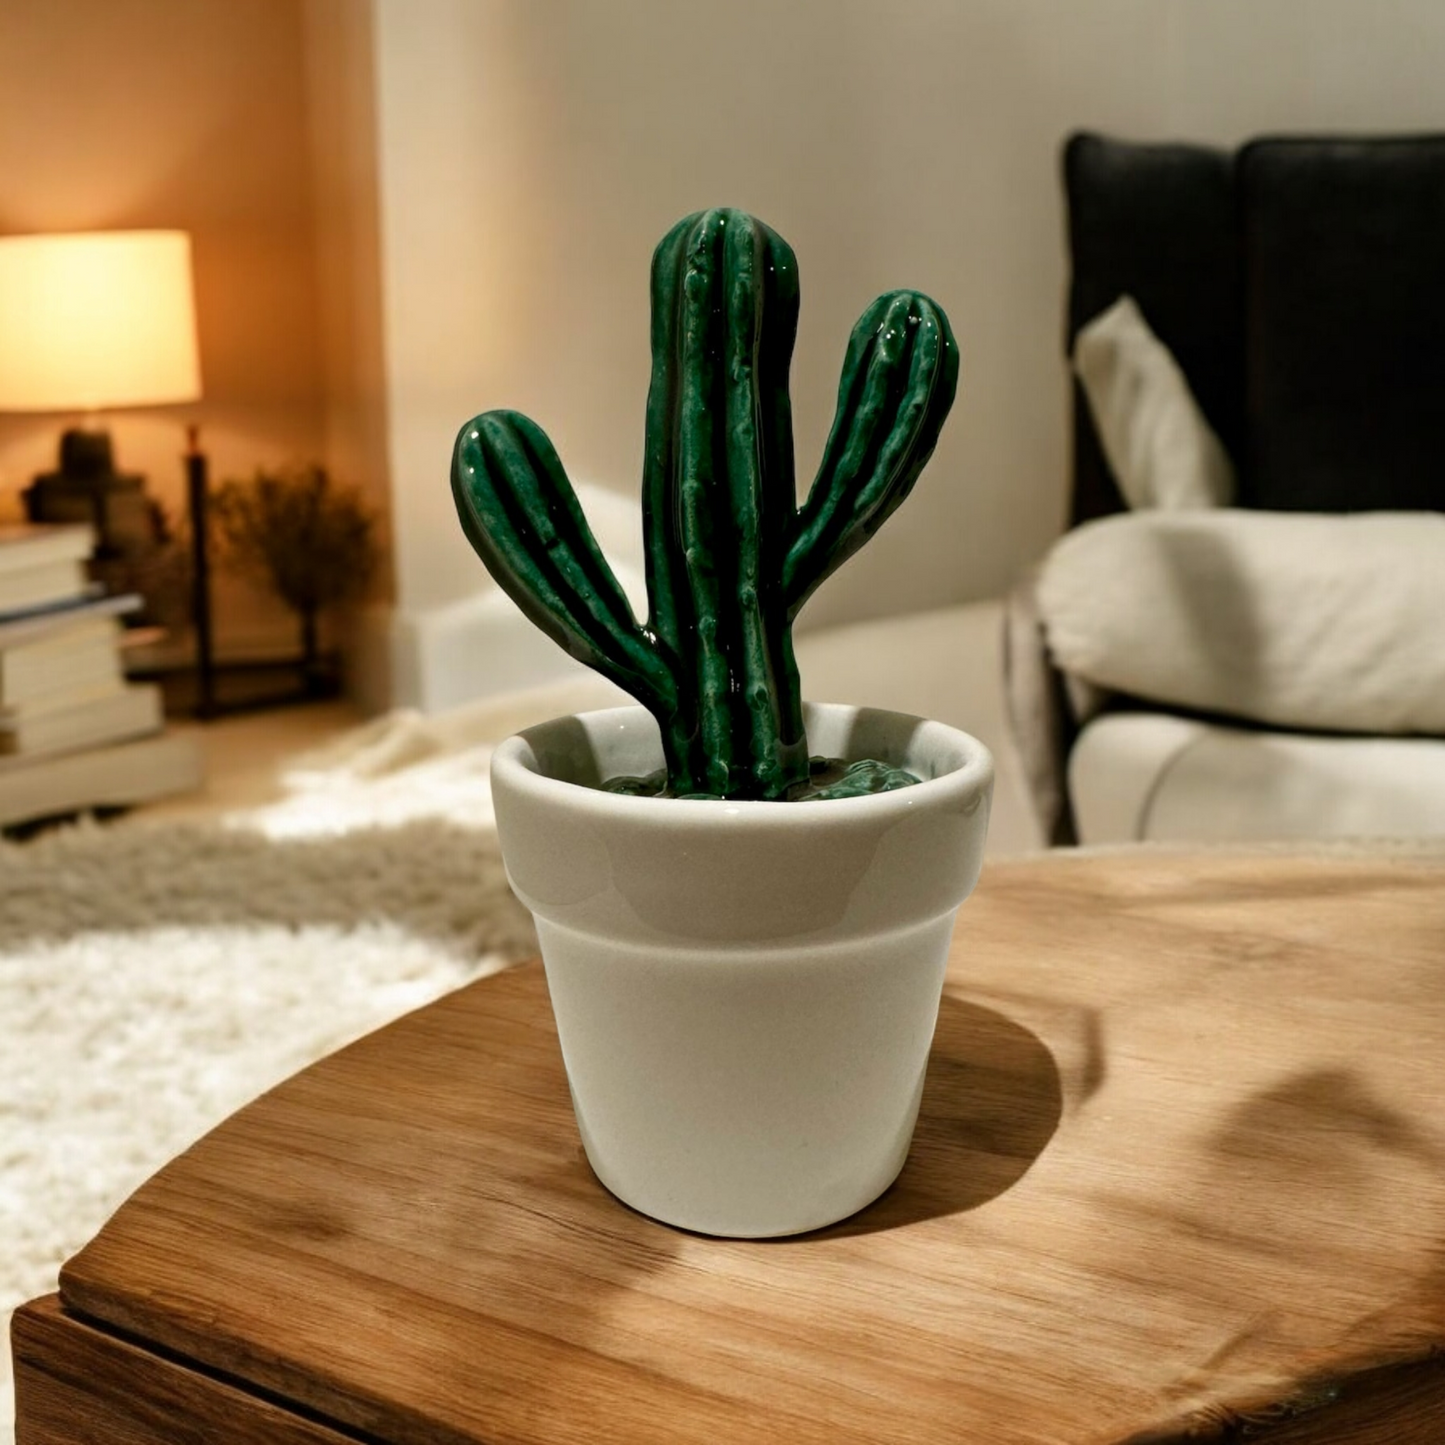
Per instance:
{"type": "Point", "coordinates": [1295, 619]}
{"type": "Point", "coordinates": [1161, 449]}
{"type": "Point", "coordinates": [1157, 778]}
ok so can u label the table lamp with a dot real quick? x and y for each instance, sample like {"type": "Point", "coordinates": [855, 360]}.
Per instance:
{"type": "Point", "coordinates": [92, 322]}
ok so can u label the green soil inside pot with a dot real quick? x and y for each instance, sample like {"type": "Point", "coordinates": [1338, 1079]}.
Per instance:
{"type": "Point", "coordinates": [827, 778]}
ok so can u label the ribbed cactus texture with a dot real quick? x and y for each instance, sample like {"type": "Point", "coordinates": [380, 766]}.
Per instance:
{"type": "Point", "coordinates": [730, 557]}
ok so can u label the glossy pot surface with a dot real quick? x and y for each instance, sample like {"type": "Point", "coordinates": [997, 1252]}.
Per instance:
{"type": "Point", "coordinates": [745, 992]}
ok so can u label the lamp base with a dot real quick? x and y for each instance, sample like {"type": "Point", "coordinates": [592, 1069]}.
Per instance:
{"type": "Point", "coordinates": [87, 488]}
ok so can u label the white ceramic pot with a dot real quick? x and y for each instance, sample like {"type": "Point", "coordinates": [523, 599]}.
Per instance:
{"type": "Point", "coordinates": [745, 993]}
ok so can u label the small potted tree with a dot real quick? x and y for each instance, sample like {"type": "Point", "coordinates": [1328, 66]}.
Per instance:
{"type": "Point", "coordinates": [744, 902]}
{"type": "Point", "coordinates": [308, 540]}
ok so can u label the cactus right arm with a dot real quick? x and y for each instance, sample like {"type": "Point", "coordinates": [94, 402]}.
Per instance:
{"type": "Point", "coordinates": [899, 379]}
{"type": "Point", "coordinates": [519, 512]}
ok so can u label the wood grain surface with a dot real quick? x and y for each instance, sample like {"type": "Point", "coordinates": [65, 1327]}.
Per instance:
{"type": "Point", "coordinates": [78, 1385]}
{"type": "Point", "coordinates": [1180, 1173]}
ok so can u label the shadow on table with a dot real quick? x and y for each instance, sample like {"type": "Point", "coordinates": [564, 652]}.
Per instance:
{"type": "Point", "coordinates": [992, 1100]}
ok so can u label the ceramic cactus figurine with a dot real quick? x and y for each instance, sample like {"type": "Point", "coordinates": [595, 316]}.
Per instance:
{"type": "Point", "coordinates": [730, 558]}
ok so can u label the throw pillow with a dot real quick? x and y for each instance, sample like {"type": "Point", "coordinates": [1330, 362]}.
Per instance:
{"type": "Point", "coordinates": [1162, 450]}
{"type": "Point", "coordinates": [1296, 619]}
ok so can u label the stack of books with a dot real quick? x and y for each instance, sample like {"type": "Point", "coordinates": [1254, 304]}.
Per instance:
{"type": "Point", "coordinates": [73, 732]}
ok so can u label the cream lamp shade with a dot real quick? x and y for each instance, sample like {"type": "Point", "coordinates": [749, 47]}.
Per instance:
{"type": "Point", "coordinates": [95, 320]}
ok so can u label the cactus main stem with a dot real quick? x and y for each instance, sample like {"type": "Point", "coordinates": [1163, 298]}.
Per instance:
{"type": "Point", "coordinates": [718, 497]}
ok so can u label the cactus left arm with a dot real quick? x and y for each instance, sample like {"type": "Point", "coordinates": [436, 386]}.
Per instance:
{"type": "Point", "coordinates": [523, 519]}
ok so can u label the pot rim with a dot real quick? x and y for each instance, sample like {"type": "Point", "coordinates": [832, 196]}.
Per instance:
{"type": "Point", "coordinates": [515, 767]}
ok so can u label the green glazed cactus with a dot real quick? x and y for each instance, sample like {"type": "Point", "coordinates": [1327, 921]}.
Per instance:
{"type": "Point", "coordinates": [730, 558]}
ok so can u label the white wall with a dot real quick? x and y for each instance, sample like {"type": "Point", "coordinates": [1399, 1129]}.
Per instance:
{"type": "Point", "coordinates": [1246, 67]}
{"type": "Point", "coordinates": [459, 187]}
{"type": "Point", "coordinates": [533, 151]}
{"type": "Point", "coordinates": [893, 145]}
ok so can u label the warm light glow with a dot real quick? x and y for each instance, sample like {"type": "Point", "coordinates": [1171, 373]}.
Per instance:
{"type": "Point", "coordinates": [97, 320]}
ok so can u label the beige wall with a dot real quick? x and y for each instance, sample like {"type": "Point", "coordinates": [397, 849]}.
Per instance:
{"type": "Point", "coordinates": [893, 145]}
{"type": "Point", "coordinates": [532, 153]}
{"type": "Point", "coordinates": [341, 110]}
{"type": "Point", "coordinates": [1243, 67]}
{"type": "Point", "coordinates": [460, 177]}
{"type": "Point", "coordinates": [192, 114]}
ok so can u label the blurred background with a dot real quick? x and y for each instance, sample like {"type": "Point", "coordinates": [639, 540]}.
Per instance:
{"type": "Point", "coordinates": [403, 212]}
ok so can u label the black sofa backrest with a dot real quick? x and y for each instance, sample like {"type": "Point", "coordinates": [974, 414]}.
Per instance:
{"type": "Point", "coordinates": [1157, 222]}
{"type": "Point", "coordinates": [1300, 284]}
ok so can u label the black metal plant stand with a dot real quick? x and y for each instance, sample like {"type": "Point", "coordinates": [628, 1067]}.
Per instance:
{"type": "Point", "coordinates": [318, 681]}
{"type": "Point", "coordinates": [196, 499]}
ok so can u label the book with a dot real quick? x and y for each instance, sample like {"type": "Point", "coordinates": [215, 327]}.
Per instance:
{"type": "Point", "coordinates": [133, 710]}
{"type": "Point", "coordinates": [52, 620]}
{"type": "Point", "coordinates": [93, 591]}
{"type": "Point", "coordinates": [60, 662]}
{"type": "Point", "coordinates": [33, 588]}
{"type": "Point", "coordinates": [115, 776]}
{"type": "Point", "coordinates": [33, 544]}
{"type": "Point", "coordinates": [41, 704]}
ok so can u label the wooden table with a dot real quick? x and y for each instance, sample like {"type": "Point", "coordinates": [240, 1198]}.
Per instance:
{"type": "Point", "coordinates": [1180, 1175]}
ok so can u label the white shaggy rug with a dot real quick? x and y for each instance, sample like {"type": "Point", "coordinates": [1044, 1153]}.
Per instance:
{"type": "Point", "coordinates": [154, 978]}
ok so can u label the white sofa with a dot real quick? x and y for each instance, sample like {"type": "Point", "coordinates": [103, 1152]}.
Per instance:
{"type": "Point", "coordinates": [1211, 675]}
{"type": "Point", "coordinates": [1152, 776]}
{"type": "Point", "coordinates": [1258, 336]}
